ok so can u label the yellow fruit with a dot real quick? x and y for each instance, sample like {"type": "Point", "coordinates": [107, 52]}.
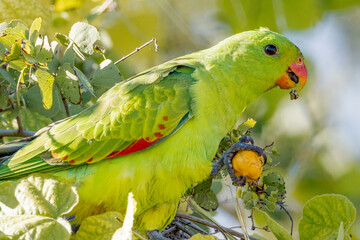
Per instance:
{"type": "Point", "coordinates": [247, 163]}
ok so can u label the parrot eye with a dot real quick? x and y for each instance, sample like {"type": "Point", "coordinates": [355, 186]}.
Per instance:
{"type": "Point", "coordinates": [270, 49]}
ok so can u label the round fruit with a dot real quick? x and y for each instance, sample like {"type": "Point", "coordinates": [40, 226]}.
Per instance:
{"type": "Point", "coordinates": [247, 163]}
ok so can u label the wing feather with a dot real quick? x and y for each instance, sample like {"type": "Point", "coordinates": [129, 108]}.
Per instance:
{"type": "Point", "coordinates": [131, 116]}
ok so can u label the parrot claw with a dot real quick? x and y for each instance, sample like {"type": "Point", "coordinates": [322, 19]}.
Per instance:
{"type": "Point", "coordinates": [226, 159]}
{"type": "Point", "coordinates": [156, 235]}
{"type": "Point", "coordinates": [240, 181]}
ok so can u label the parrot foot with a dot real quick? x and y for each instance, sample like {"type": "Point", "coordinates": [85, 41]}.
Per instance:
{"type": "Point", "coordinates": [156, 235]}
{"type": "Point", "coordinates": [244, 143]}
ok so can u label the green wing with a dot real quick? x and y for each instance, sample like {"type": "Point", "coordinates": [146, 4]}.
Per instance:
{"type": "Point", "coordinates": [129, 117]}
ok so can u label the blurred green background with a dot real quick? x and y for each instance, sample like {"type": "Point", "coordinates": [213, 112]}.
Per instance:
{"type": "Point", "coordinates": [317, 136]}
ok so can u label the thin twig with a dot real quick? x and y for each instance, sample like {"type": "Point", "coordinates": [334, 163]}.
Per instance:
{"type": "Point", "coordinates": [213, 225]}
{"type": "Point", "coordinates": [15, 133]}
{"type": "Point", "coordinates": [286, 211]}
{"type": "Point", "coordinates": [138, 49]}
{"type": "Point", "coordinates": [241, 218]}
{"type": "Point", "coordinates": [5, 109]}
{"type": "Point", "coordinates": [269, 145]}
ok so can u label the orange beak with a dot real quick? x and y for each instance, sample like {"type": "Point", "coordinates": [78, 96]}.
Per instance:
{"type": "Point", "coordinates": [296, 73]}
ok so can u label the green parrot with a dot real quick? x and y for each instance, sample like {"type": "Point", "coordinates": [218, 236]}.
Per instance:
{"type": "Point", "coordinates": [156, 133]}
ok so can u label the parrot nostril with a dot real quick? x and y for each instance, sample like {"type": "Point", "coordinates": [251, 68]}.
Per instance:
{"type": "Point", "coordinates": [299, 60]}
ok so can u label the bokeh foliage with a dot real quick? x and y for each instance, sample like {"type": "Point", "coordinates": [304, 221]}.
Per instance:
{"type": "Point", "coordinates": [182, 27]}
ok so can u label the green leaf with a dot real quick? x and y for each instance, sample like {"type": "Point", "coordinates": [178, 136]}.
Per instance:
{"type": "Point", "coordinates": [279, 232]}
{"type": "Point", "coordinates": [34, 29]}
{"type": "Point", "coordinates": [89, 228]}
{"type": "Point", "coordinates": [17, 65]}
{"type": "Point", "coordinates": [54, 64]}
{"type": "Point", "coordinates": [27, 47]}
{"type": "Point", "coordinates": [34, 227]}
{"type": "Point", "coordinates": [7, 76]}
{"type": "Point", "coordinates": [15, 52]}
{"type": "Point", "coordinates": [43, 50]}
{"type": "Point", "coordinates": [69, 55]}
{"type": "Point", "coordinates": [33, 101]}
{"type": "Point", "coordinates": [63, 39]}
{"type": "Point", "coordinates": [275, 152]}
{"type": "Point", "coordinates": [33, 121]}
{"type": "Point", "coordinates": [207, 200]}
{"type": "Point", "coordinates": [68, 83]}
{"type": "Point", "coordinates": [45, 80]}
{"type": "Point", "coordinates": [3, 96]}
{"type": "Point", "coordinates": [84, 81]}
{"type": "Point", "coordinates": [105, 77]}
{"type": "Point", "coordinates": [323, 215]}
{"type": "Point", "coordinates": [37, 194]}
{"type": "Point", "coordinates": [18, 28]}
{"type": "Point", "coordinates": [84, 35]}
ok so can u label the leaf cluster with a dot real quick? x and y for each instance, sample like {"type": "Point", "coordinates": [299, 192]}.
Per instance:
{"type": "Point", "coordinates": [52, 80]}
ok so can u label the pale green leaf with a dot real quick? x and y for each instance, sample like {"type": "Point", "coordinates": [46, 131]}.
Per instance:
{"type": "Point", "coordinates": [84, 35]}
{"type": "Point", "coordinates": [34, 29]}
{"type": "Point", "coordinates": [18, 65]}
{"type": "Point", "coordinates": [203, 237]}
{"type": "Point", "coordinates": [20, 80]}
{"type": "Point", "coordinates": [46, 81]}
{"type": "Point", "coordinates": [279, 232]}
{"type": "Point", "coordinates": [29, 227]}
{"type": "Point", "coordinates": [105, 77]}
{"type": "Point", "coordinates": [6, 43]}
{"type": "Point", "coordinates": [68, 83]}
{"type": "Point", "coordinates": [15, 52]}
{"type": "Point", "coordinates": [89, 228]}
{"type": "Point", "coordinates": [249, 123]}
{"type": "Point", "coordinates": [84, 81]}
{"type": "Point", "coordinates": [341, 232]}
{"type": "Point", "coordinates": [323, 215]}
{"type": "Point", "coordinates": [125, 232]}
{"type": "Point", "coordinates": [37, 195]}
{"type": "Point", "coordinates": [18, 28]}
{"type": "Point", "coordinates": [3, 26]}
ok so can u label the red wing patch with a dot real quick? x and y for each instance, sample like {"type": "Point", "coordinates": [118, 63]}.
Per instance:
{"type": "Point", "coordinates": [134, 147]}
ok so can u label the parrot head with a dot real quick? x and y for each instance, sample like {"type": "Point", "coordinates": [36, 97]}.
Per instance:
{"type": "Point", "coordinates": [269, 59]}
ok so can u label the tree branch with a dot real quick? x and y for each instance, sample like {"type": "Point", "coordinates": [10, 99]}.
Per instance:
{"type": "Point", "coordinates": [15, 133]}
{"type": "Point", "coordinates": [213, 225]}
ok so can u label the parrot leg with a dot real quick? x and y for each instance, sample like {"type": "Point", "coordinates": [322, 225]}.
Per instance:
{"type": "Point", "coordinates": [226, 158]}
{"type": "Point", "coordinates": [156, 235]}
